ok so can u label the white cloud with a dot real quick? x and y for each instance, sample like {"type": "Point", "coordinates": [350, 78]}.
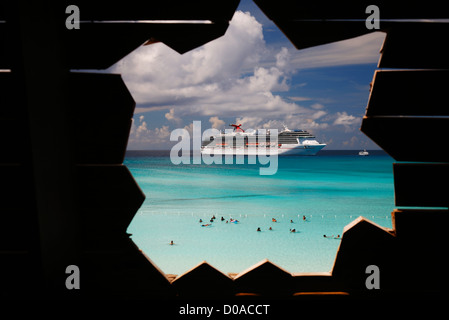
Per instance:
{"type": "Point", "coordinates": [170, 116]}
{"type": "Point", "coordinates": [221, 78]}
{"type": "Point", "coordinates": [282, 58]}
{"type": "Point", "coordinates": [308, 123]}
{"type": "Point", "coordinates": [317, 106]}
{"type": "Point", "coordinates": [156, 74]}
{"type": "Point", "coordinates": [298, 99]}
{"type": "Point", "coordinates": [238, 49]}
{"type": "Point", "coordinates": [236, 76]}
{"type": "Point", "coordinates": [216, 123]}
{"type": "Point", "coordinates": [345, 119]}
{"type": "Point", "coordinates": [349, 122]}
{"type": "Point", "coordinates": [141, 137]}
{"type": "Point", "coordinates": [352, 142]}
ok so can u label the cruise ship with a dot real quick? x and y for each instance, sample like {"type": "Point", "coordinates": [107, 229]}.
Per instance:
{"type": "Point", "coordinates": [239, 142]}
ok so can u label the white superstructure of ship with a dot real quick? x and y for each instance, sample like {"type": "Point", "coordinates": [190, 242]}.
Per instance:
{"type": "Point", "coordinates": [256, 142]}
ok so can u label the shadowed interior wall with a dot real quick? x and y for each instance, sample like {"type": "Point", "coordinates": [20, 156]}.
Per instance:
{"type": "Point", "coordinates": [59, 170]}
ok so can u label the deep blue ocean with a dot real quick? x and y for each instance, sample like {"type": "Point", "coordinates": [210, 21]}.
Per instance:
{"type": "Point", "coordinates": [330, 190]}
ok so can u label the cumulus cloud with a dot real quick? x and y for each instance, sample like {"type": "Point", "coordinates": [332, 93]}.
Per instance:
{"type": "Point", "coordinates": [141, 137]}
{"type": "Point", "coordinates": [349, 122]}
{"type": "Point", "coordinates": [216, 123]}
{"type": "Point", "coordinates": [222, 78]}
{"type": "Point", "coordinates": [352, 142]}
{"type": "Point", "coordinates": [282, 58]}
{"type": "Point", "coordinates": [345, 119]}
{"type": "Point", "coordinates": [170, 116]}
{"type": "Point", "coordinates": [156, 74]}
{"type": "Point", "coordinates": [236, 76]}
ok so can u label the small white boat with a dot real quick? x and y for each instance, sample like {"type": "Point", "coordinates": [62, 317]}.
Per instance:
{"type": "Point", "coordinates": [363, 153]}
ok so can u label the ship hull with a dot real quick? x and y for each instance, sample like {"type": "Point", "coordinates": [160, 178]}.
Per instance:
{"type": "Point", "coordinates": [300, 150]}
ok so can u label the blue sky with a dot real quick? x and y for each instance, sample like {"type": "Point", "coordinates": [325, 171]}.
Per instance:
{"type": "Point", "coordinates": [254, 76]}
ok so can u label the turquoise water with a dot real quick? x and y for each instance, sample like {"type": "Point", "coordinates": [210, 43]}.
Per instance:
{"type": "Point", "coordinates": [330, 189]}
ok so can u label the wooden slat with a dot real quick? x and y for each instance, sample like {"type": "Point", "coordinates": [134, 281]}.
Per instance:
{"type": "Point", "coordinates": [420, 45]}
{"type": "Point", "coordinates": [97, 93]}
{"type": "Point", "coordinates": [303, 22]}
{"type": "Point", "coordinates": [315, 282]}
{"type": "Point", "coordinates": [430, 224]}
{"type": "Point", "coordinates": [7, 96]}
{"type": "Point", "coordinates": [305, 34]}
{"type": "Point", "coordinates": [93, 46]}
{"type": "Point", "coordinates": [217, 10]}
{"type": "Point", "coordinates": [185, 37]}
{"type": "Point", "coordinates": [422, 241]}
{"type": "Point", "coordinates": [107, 187]}
{"type": "Point", "coordinates": [12, 141]}
{"type": "Point", "coordinates": [100, 117]}
{"type": "Point", "coordinates": [100, 45]}
{"type": "Point", "coordinates": [409, 93]}
{"type": "Point", "coordinates": [107, 200]}
{"type": "Point", "coordinates": [192, 284]}
{"type": "Point", "coordinates": [421, 185]}
{"type": "Point", "coordinates": [14, 135]}
{"type": "Point", "coordinates": [17, 209]}
{"type": "Point", "coordinates": [349, 9]}
{"type": "Point", "coordinates": [409, 139]}
{"type": "Point", "coordinates": [15, 186]}
{"type": "Point", "coordinates": [5, 55]}
{"type": "Point", "coordinates": [321, 293]}
{"type": "Point", "coordinates": [363, 243]}
{"type": "Point", "coordinates": [136, 276]}
{"type": "Point", "coordinates": [264, 278]}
